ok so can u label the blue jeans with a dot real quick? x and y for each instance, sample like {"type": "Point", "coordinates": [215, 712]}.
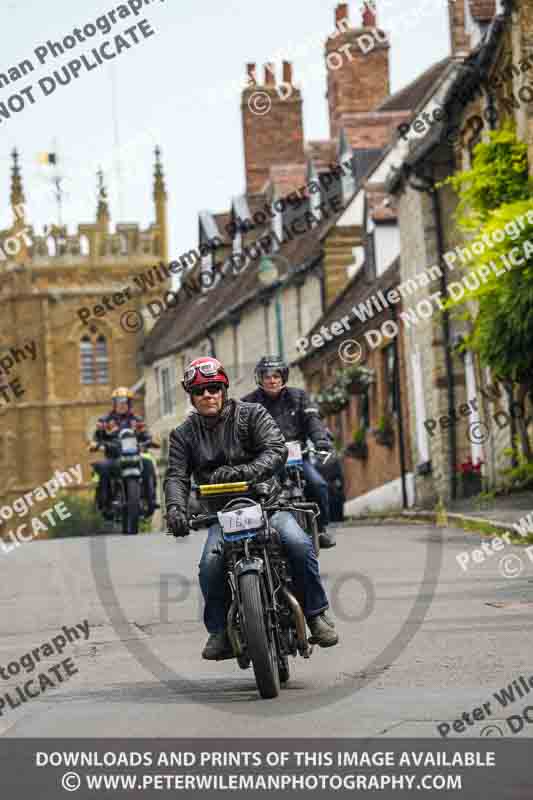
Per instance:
{"type": "Point", "coordinates": [302, 561]}
{"type": "Point", "coordinates": [318, 490]}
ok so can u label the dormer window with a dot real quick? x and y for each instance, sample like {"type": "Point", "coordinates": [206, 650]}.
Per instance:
{"type": "Point", "coordinates": [206, 267]}
{"type": "Point", "coordinates": [237, 243]}
{"type": "Point", "coordinates": [370, 253]}
{"type": "Point", "coordinates": [345, 156]}
{"type": "Point", "coordinates": [277, 222]}
{"type": "Point", "coordinates": [315, 198]}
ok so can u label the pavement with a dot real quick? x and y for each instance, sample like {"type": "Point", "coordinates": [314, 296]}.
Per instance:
{"type": "Point", "coordinates": [422, 641]}
{"type": "Point", "coordinates": [504, 509]}
{"type": "Point", "coordinates": [502, 512]}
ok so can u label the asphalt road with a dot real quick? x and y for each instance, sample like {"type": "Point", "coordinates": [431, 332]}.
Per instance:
{"type": "Point", "coordinates": [421, 641]}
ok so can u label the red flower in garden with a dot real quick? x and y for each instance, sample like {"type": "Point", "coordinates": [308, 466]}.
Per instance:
{"type": "Point", "coordinates": [468, 467]}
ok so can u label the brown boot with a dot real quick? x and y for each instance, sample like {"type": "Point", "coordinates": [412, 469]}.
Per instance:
{"type": "Point", "coordinates": [323, 631]}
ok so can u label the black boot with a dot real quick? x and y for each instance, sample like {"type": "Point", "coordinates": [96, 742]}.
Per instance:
{"type": "Point", "coordinates": [217, 647]}
{"type": "Point", "coordinates": [326, 539]}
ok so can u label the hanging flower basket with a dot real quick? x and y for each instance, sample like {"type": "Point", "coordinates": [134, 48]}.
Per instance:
{"type": "Point", "coordinates": [385, 438]}
{"type": "Point", "coordinates": [358, 450]}
{"type": "Point", "coordinates": [332, 400]}
{"type": "Point", "coordinates": [384, 433]}
{"type": "Point", "coordinates": [358, 379]}
{"type": "Point", "coordinates": [328, 407]}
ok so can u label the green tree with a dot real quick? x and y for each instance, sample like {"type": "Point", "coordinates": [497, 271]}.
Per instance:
{"type": "Point", "coordinates": [493, 195]}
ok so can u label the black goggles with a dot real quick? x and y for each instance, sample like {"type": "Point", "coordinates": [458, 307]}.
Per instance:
{"type": "Point", "coordinates": [210, 388]}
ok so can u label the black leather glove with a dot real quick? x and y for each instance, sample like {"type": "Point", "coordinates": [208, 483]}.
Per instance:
{"type": "Point", "coordinates": [177, 522]}
{"type": "Point", "coordinates": [226, 475]}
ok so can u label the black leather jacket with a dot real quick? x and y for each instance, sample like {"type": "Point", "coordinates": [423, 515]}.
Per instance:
{"type": "Point", "coordinates": [243, 435]}
{"type": "Point", "coordinates": [296, 415]}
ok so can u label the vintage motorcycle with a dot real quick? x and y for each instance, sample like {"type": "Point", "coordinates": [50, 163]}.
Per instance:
{"type": "Point", "coordinates": [265, 620]}
{"type": "Point", "coordinates": [128, 503]}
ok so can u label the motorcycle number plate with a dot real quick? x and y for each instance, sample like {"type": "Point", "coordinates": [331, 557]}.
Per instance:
{"type": "Point", "coordinates": [241, 519]}
{"type": "Point", "coordinates": [295, 453]}
{"type": "Point", "coordinates": [129, 444]}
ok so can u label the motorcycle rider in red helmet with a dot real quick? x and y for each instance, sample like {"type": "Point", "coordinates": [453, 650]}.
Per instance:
{"type": "Point", "coordinates": [225, 441]}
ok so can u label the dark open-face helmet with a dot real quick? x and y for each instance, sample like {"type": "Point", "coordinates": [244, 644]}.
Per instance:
{"type": "Point", "coordinates": [271, 364]}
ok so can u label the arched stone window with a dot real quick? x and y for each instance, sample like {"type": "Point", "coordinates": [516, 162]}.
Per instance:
{"type": "Point", "coordinates": [94, 360]}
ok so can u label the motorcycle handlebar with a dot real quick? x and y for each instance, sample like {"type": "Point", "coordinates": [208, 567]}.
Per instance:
{"type": "Point", "coordinates": [202, 521]}
{"type": "Point", "coordinates": [321, 453]}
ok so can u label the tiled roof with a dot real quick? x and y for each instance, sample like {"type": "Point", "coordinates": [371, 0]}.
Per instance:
{"type": "Point", "coordinates": [192, 319]}
{"type": "Point", "coordinates": [365, 160]}
{"type": "Point", "coordinates": [408, 98]}
{"type": "Point", "coordinates": [358, 290]}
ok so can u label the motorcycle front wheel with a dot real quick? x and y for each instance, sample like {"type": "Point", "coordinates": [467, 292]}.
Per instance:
{"type": "Point", "coordinates": [261, 649]}
{"type": "Point", "coordinates": [132, 507]}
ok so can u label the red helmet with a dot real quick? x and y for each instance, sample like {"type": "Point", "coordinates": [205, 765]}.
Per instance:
{"type": "Point", "coordinates": [202, 371]}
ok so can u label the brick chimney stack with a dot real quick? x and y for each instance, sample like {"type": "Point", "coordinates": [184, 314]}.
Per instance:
{"type": "Point", "coordinates": [460, 39]}
{"type": "Point", "coordinates": [357, 64]}
{"type": "Point", "coordinates": [369, 16]}
{"type": "Point", "coordinates": [272, 124]}
{"type": "Point", "coordinates": [341, 12]}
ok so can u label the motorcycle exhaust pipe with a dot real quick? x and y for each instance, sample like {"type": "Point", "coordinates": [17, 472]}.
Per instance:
{"type": "Point", "coordinates": [294, 605]}
{"type": "Point", "coordinates": [232, 633]}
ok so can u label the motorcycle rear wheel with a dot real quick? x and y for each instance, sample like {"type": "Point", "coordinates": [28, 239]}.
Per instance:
{"type": "Point", "coordinates": [261, 650]}
{"type": "Point", "coordinates": [132, 508]}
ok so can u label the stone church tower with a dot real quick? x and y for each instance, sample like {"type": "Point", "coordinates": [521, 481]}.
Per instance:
{"type": "Point", "coordinates": [57, 372]}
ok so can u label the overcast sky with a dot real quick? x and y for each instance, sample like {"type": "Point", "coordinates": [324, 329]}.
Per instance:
{"type": "Point", "coordinates": [180, 86]}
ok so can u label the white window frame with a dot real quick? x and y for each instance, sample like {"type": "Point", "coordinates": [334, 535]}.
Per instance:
{"type": "Point", "coordinates": [422, 440]}
{"type": "Point", "coordinates": [166, 393]}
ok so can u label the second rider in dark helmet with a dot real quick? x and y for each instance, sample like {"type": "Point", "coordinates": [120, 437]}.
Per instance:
{"type": "Point", "coordinates": [299, 420]}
